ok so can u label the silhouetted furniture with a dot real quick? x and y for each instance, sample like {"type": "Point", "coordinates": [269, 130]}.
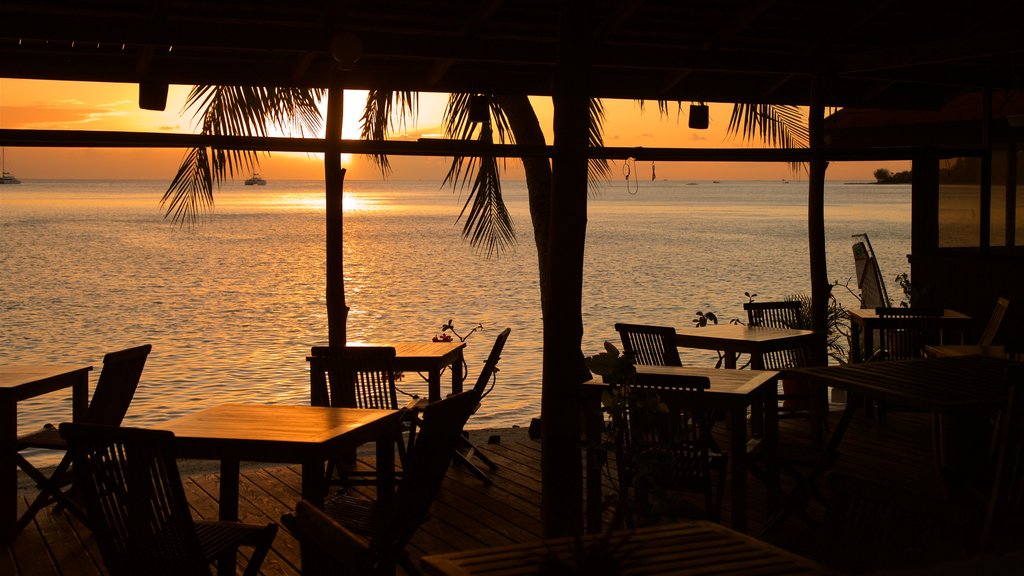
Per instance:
{"type": "Point", "coordinates": [357, 377]}
{"type": "Point", "coordinates": [680, 549]}
{"type": "Point", "coordinates": [431, 358]}
{"type": "Point", "coordinates": [484, 385]}
{"type": "Point", "coordinates": [865, 321]}
{"type": "Point", "coordinates": [328, 547]}
{"type": "Point", "coordinates": [869, 277]}
{"type": "Point", "coordinates": [904, 332]}
{"type": "Point", "coordinates": [20, 382]}
{"type": "Point", "coordinates": [286, 434]}
{"type": "Point", "coordinates": [796, 397]}
{"type": "Point", "coordinates": [869, 526]}
{"type": "Point", "coordinates": [734, 339]}
{"type": "Point", "coordinates": [115, 389]}
{"type": "Point", "coordinates": [731, 392]}
{"type": "Point", "coordinates": [994, 322]}
{"type": "Point", "coordinates": [129, 480]}
{"type": "Point", "coordinates": [1004, 520]}
{"type": "Point", "coordinates": [951, 388]}
{"type": "Point", "coordinates": [651, 345]}
{"type": "Point", "coordinates": [388, 525]}
{"type": "Point", "coordinates": [662, 451]}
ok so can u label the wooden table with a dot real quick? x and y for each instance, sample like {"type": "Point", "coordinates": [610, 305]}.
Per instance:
{"type": "Point", "coordinates": [734, 339]}
{"type": "Point", "coordinates": [732, 391]}
{"type": "Point", "coordinates": [945, 350]}
{"type": "Point", "coordinates": [957, 389]}
{"type": "Point", "coordinates": [864, 321]}
{"type": "Point", "coordinates": [306, 435]}
{"type": "Point", "coordinates": [20, 382]}
{"type": "Point", "coordinates": [429, 357]}
{"type": "Point", "coordinates": [687, 548]}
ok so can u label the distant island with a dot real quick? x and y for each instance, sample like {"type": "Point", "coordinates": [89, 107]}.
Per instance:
{"type": "Point", "coordinates": [884, 176]}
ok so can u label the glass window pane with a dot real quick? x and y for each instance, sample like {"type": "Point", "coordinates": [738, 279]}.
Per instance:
{"type": "Point", "coordinates": [960, 203]}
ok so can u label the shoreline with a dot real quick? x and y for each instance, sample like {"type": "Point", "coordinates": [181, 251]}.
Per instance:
{"type": "Point", "coordinates": [190, 467]}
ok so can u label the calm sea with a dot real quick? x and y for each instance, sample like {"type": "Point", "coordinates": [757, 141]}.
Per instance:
{"type": "Point", "coordinates": [233, 306]}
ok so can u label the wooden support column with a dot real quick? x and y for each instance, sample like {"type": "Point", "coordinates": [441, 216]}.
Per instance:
{"type": "Point", "coordinates": [563, 370]}
{"type": "Point", "coordinates": [334, 179]}
{"type": "Point", "coordinates": [820, 285]}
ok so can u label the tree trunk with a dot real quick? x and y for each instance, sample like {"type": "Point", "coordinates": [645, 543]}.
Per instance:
{"type": "Point", "coordinates": [820, 286]}
{"type": "Point", "coordinates": [527, 131]}
{"type": "Point", "coordinates": [334, 183]}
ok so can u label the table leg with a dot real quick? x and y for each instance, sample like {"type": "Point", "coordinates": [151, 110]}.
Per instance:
{"type": "Point", "coordinates": [228, 509]}
{"type": "Point", "coordinates": [855, 351]}
{"type": "Point", "coordinates": [8, 469]}
{"type": "Point", "coordinates": [386, 470]}
{"type": "Point", "coordinates": [80, 396]}
{"type": "Point", "coordinates": [592, 423]}
{"type": "Point", "coordinates": [770, 438]}
{"type": "Point", "coordinates": [738, 424]}
{"type": "Point", "coordinates": [434, 384]}
{"type": "Point", "coordinates": [457, 375]}
{"type": "Point", "coordinates": [730, 359]}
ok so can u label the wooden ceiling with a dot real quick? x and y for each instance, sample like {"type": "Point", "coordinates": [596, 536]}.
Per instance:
{"type": "Point", "coordinates": [870, 53]}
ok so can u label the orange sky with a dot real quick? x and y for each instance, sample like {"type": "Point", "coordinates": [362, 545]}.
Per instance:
{"type": "Point", "coordinates": [91, 106]}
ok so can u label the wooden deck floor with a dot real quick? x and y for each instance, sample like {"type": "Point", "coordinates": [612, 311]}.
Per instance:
{"type": "Point", "coordinates": [467, 514]}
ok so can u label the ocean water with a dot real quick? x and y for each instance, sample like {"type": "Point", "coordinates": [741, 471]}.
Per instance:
{"type": "Point", "coordinates": [233, 305]}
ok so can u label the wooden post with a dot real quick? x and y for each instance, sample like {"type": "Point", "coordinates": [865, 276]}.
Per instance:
{"type": "Point", "coordinates": [334, 179]}
{"type": "Point", "coordinates": [561, 469]}
{"type": "Point", "coordinates": [820, 285]}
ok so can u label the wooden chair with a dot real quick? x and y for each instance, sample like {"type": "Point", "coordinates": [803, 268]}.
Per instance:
{"type": "Point", "coordinates": [484, 384]}
{"type": "Point", "coordinates": [114, 391]}
{"type": "Point", "coordinates": [649, 345]}
{"type": "Point", "coordinates": [355, 377]}
{"type": "Point", "coordinates": [994, 321]}
{"type": "Point", "coordinates": [904, 332]}
{"type": "Point", "coordinates": [663, 451]}
{"type": "Point", "coordinates": [796, 398]}
{"type": "Point", "coordinates": [1003, 526]}
{"type": "Point", "coordinates": [385, 532]}
{"type": "Point", "coordinates": [129, 480]}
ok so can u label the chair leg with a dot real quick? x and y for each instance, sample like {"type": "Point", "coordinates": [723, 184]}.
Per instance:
{"type": "Point", "coordinates": [472, 450]}
{"type": "Point", "coordinates": [460, 458]}
{"type": "Point", "coordinates": [51, 491]}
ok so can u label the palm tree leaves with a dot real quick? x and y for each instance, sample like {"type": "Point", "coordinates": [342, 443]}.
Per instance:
{"type": "Point", "coordinates": [234, 111]}
{"type": "Point", "coordinates": [379, 118]}
{"type": "Point", "coordinates": [782, 126]}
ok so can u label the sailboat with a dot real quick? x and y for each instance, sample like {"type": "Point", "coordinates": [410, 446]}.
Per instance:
{"type": "Point", "coordinates": [5, 176]}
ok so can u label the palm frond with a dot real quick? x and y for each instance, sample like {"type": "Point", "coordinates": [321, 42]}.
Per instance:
{"type": "Point", "coordinates": [598, 169]}
{"type": "Point", "coordinates": [234, 111]}
{"type": "Point", "coordinates": [782, 126]}
{"type": "Point", "coordinates": [379, 118]}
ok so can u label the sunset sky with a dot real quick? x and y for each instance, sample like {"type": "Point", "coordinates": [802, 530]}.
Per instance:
{"type": "Point", "coordinates": [91, 106]}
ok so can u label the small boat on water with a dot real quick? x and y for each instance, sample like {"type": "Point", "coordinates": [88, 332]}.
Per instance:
{"type": "Point", "coordinates": [5, 176]}
{"type": "Point", "coordinates": [256, 180]}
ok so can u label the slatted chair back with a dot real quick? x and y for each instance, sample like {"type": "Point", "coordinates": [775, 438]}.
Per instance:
{"type": "Point", "coordinates": [994, 321]}
{"type": "Point", "coordinates": [116, 386]}
{"type": "Point", "coordinates": [1004, 521]}
{"type": "Point", "coordinates": [135, 500]}
{"type": "Point", "coordinates": [138, 511]}
{"type": "Point", "coordinates": [783, 314]}
{"type": "Point", "coordinates": [649, 345]}
{"type": "Point", "coordinates": [664, 445]}
{"type": "Point", "coordinates": [353, 377]}
{"type": "Point", "coordinates": [114, 391]}
{"type": "Point", "coordinates": [329, 548]}
{"type": "Point", "coordinates": [904, 332]}
{"type": "Point", "coordinates": [425, 467]}
{"type": "Point", "coordinates": [483, 382]}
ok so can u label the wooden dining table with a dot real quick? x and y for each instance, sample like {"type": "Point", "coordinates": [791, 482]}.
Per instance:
{"type": "Point", "coordinates": [735, 339]}
{"type": "Point", "coordinates": [681, 549]}
{"type": "Point", "coordinates": [20, 382]}
{"type": "Point", "coordinates": [864, 322]}
{"type": "Point", "coordinates": [431, 358]}
{"type": "Point", "coordinates": [961, 391]}
{"type": "Point", "coordinates": [944, 350]}
{"type": "Point", "coordinates": [731, 391]}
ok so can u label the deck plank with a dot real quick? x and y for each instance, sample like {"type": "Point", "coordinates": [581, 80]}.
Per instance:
{"type": "Point", "coordinates": [467, 513]}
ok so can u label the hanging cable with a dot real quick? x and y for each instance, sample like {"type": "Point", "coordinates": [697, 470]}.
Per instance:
{"type": "Point", "coordinates": [626, 172]}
